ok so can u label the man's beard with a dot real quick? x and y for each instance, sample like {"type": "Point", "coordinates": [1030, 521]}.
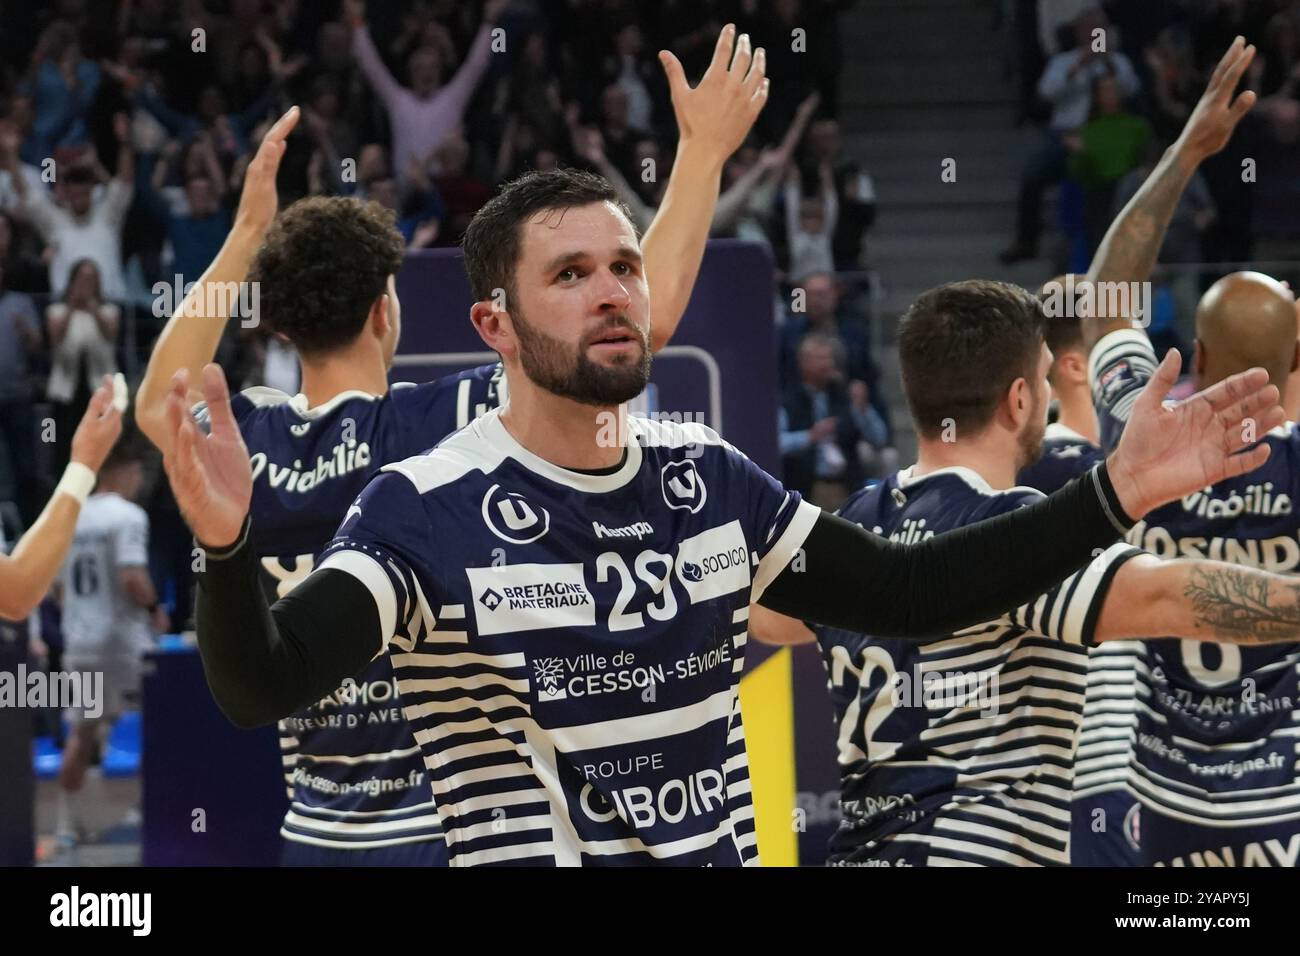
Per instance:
{"type": "Point", "coordinates": [549, 364]}
{"type": "Point", "coordinates": [1031, 439]}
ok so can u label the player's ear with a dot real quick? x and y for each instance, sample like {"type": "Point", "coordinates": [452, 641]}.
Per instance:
{"type": "Point", "coordinates": [1019, 400]}
{"type": "Point", "coordinates": [379, 319]}
{"type": "Point", "coordinates": [1074, 364]}
{"type": "Point", "coordinates": [493, 325]}
{"type": "Point", "coordinates": [1295, 357]}
{"type": "Point", "coordinates": [1198, 358]}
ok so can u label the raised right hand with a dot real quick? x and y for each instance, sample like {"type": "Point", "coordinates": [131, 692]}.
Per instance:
{"type": "Point", "coordinates": [259, 202]}
{"type": "Point", "coordinates": [210, 475]}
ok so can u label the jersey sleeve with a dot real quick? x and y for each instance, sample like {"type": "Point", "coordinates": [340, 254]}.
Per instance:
{"type": "Point", "coordinates": [780, 521]}
{"type": "Point", "coordinates": [384, 542]}
{"type": "Point", "coordinates": [131, 539]}
{"type": "Point", "coordinates": [1069, 611]}
{"type": "Point", "coordinates": [1119, 368]}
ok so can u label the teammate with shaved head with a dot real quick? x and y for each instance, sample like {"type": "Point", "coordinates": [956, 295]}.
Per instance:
{"type": "Point", "coordinates": [1200, 768]}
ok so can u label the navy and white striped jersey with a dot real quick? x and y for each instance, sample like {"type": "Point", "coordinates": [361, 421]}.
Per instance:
{"type": "Point", "coordinates": [352, 767]}
{"type": "Point", "coordinates": [958, 750]}
{"type": "Point", "coordinates": [1209, 747]}
{"type": "Point", "coordinates": [569, 645]}
{"type": "Point", "coordinates": [1066, 455]}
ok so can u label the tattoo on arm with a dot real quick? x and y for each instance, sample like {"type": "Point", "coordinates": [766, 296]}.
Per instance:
{"type": "Point", "coordinates": [1245, 604]}
{"type": "Point", "coordinates": [1128, 252]}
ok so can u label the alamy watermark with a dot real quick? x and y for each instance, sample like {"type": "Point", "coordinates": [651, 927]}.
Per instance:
{"type": "Point", "coordinates": [946, 690]}
{"type": "Point", "coordinates": [240, 300]}
{"type": "Point", "coordinates": [1085, 300]}
{"type": "Point", "coordinates": [66, 690]}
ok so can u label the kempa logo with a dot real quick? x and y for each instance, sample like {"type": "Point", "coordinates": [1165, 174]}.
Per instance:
{"type": "Point", "coordinates": [549, 671]}
{"type": "Point", "coordinates": [66, 690]}
{"type": "Point", "coordinates": [75, 909]}
{"type": "Point", "coordinates": [638, 530]}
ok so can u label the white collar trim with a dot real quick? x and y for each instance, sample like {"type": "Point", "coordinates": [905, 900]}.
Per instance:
{"type": "Point", "coordinates": [494, 431]}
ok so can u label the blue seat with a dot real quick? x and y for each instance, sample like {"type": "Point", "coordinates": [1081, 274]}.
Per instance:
{"type": "Point", "coordinates": [122, 754]}
{"type": "Point", "coordinates": [48, 758]}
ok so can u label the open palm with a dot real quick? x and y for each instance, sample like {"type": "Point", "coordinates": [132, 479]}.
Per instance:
{"type": "Point", "coordinates": [210, 475]}
{"type": "Point", "coordinates": [1171, 450]}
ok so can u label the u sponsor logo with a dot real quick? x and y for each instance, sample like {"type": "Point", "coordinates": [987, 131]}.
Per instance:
{"type": "Point", "coordinates": [511, 517]}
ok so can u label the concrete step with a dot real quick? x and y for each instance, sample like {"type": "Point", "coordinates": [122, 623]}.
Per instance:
{"type": "Point", "coordinates": [914, 21]}
{"type": "Point", "coordinates": [951, 118]}
{"type": "Point", "coordinates": [930, 219]}
{"type": "Point", "coordinates": [871, 146]}
{"type": "Point", "coordinates": [893, 82]}
{"type": "Point", "coordinates": [924, 168]}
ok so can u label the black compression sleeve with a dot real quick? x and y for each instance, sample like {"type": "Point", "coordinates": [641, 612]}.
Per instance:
{"type": "Point", "coordinates": [263, 663]}
{"type": "Point", "coordinates": [859, 581]}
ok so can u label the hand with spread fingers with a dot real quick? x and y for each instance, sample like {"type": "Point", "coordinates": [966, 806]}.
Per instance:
{"type": "Point", "coordinates": [720, 111]}
{"type": "Point", "coordinates": [1171, 450]}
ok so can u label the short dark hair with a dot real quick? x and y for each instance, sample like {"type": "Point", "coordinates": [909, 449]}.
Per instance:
{"type": "Point", "coordinates": [492, 240]}
{"type": "Point", "coordinates": [961, 345]}
{"type": "Point", "coordinates": [323, 263]}
{"type": "Point", "coordinates": [130, 449]}
{"type": "Point", "coordinates": [1063, 325]}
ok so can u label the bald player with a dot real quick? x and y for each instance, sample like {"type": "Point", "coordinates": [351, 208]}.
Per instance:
{"type": "Point", "coordinates": [1069, 443]}
{"type": "Point", "coordinates": [1188, 752]}
{"type": "Point", "coordinates": [1291, 394]}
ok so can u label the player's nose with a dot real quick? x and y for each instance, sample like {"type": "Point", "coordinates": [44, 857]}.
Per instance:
{"type": "Point", "coordinates": [611, 293]}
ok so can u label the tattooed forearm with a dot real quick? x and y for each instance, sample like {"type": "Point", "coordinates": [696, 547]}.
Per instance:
{"type": "Point", "coordinates": [1131, 246]}
{"type": "Point", "coordinates": [1243, 605]}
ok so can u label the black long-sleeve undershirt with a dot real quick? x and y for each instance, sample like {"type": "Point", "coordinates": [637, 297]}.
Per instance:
{"type": "Point", "coordinates": [265, 663]}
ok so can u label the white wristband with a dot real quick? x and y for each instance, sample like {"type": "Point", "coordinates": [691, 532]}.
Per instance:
{"type": "Point", "coordinates": [77, 481]}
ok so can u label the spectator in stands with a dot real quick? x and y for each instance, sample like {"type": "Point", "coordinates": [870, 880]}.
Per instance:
{"type": "Point", "coordinates": [810, 222]}
{"type": "Point", "coordinates": [334, 136]}
{"type": "Point", "coordinates": [855, 193]}
{"type": "Point", "coordinates": [20, 337]}
{"type": "Point", "coordinates": [82, 329]}
{"type": "Point", "coordinates": [81, 225]}
{"type": "Point", "coordinates": [63, 88]}
{"type": "Point", "coordinates": [195, 235]}
{"type": "Point", "coordinates": [1175, 86]}
{"type": "Point", "coordinates": [419, 214]}
{"type": "Point", "coordinates": [1275, 76]}
{"type": "Point", "coordinates": [462, 192]}
{"type": "Point", "coordinates": [617, 132]}
{"type": "Point", "coordinates": [19, 258]}
{"type": "Point", "coordinates": [12, 164]}
{"type": "Point", "coordinates": [822, 426]}
{"type": "Point", "coordinates": [533, 89]}
{"type": "Point", "coordinates": [632, 72]}
{"type": "Point", "coordinates": [1067, 85]}
{"type": "Point", "coordinates": [1103, 151]}
{"type": "Point", "coordinates": [423, 114]}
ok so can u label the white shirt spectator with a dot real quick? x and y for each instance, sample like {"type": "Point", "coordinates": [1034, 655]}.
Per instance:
{"type": "Point", "coordinates": [640, 110]}
{"type": "Point", "coordinates": [9, 200]}
{"type": "Point", "coordinates": [96, 235]}
{"type": "Point", "coordinates": [83, 343]}
{"type": "Point", "coordinates": [1071, 93]}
